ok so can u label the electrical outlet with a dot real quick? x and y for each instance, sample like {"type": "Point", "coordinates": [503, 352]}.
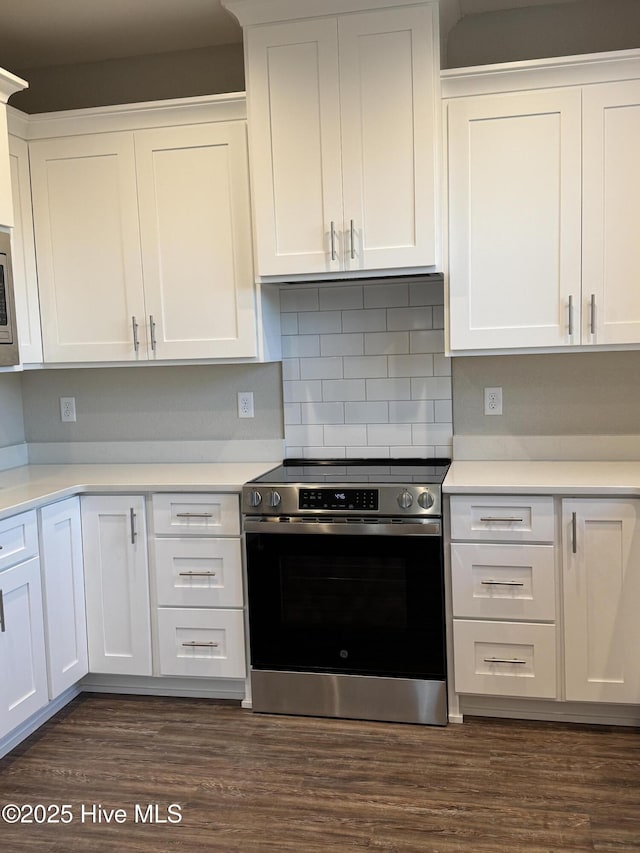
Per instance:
{"type": "Point", "coordinates": [68, 410]}
{"type": "Point", "coordinates": [245, 404]}
{"type": "Point", "coordinates": [493, 401]}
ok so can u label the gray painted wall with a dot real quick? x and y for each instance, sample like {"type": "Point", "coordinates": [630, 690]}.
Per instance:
{"type": "Point", "coordinates": [11, 416]}
{"type": "Point", "coordinates": [153, 403]}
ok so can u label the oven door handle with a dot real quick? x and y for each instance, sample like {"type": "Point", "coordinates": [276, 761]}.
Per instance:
{"type": "Point", "coordinates": [414, 527]}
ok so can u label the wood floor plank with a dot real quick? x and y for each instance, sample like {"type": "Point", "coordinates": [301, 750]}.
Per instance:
{"type": "Point", "coordinates": [249, 782]}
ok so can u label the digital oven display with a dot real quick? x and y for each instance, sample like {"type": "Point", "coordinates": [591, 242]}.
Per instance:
{"type": "Point", "coordinates": [345, 499]}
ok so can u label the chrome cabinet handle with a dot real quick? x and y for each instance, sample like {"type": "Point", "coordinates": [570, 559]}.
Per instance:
{"type": "Point", "coordinates": [197, 575]}
{"type": "Point", "coordinates": [353, 240]}
{"type": "Point", "coordinates": [592, 314]}
{"type": "Point", "coordinates": [498, 518]}
{"type": "Point", "coordinates": [333, 240]}
{"type": "Point", "coordinates": [501, 583]}
{"type": "Point", "coordinates": [136, 342]}
{"type": "Point", "coordinates": [574, 533]}
{"type": "Point", "coordinates": [194, 515]}
{"type": "Point", "coordinates": [570, 316]}
{"type": "Point", "coordinates": [152, 330]}
{"type": "Point", "coordinates": [132, 520]}
{"type": "Point", "coordinates": [193, 645]}
{"type": "Point", "coordinates": [3, 627]}
{"type": "Point", "coordinates": [505, 660]}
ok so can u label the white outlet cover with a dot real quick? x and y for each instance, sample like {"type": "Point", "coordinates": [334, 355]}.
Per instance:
{"type": "Point", "coordinates": [493, 401]}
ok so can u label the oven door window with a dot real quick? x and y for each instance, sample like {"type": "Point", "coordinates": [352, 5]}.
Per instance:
{"type": "Point", "coordinates": [370, 605]}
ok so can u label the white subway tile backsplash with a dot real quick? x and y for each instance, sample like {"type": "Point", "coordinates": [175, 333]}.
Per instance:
{"type": "Point", "coordinates": [376, 412]}
{"type": "Point", "coordinates": [301, 391]}
{"type": "Point", "coordinates": [319, 322]}
{"type": "Point", "coordinates": [400, 319]}
{"type": "Point", "coordinates": [431, 388]}
{"type": "Point", "coordinates": [321, 368]}
{"type": "Point", "coordinates": [388, 434]}
{"type": "Point", "coordinates": [427, 341]}
{"type": "Point", "coordinates": [291, 368]}
{"type": "Point", "coordinates": [364, 371]}
{"type": "Point", "coordinates": [343, 389]}
{"type": "Point", "coordinates": [365, 366]}
{"type": "Point", "coordinates": [300, 346]}
{"type": "Point", "coordinates": [411, 365]}
{"type": "Point", "coordinates": [386, 295]}
{"type": "Point", "coordinates": [341, 297]}
{"type": "Point", "coordinates": [346, 344]}
{"type": "Point", "coordinates": [388, 389]}
{"type": "Point", "coordinates": [386, 343]}
{"type": "Point", "coordinates": [322, 413]}
{"type": "Point", "coordinates": [298, 299]}
{"type": "Point", "coordinates": [411, 411]}
{"type": "Point", "coordinates": [368, 320]}
{"type": "Point", "coordinates": [346, 435]}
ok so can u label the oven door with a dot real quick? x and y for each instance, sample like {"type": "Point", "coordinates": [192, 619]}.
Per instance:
{"type": "Point", "coordinates": [325, 598]}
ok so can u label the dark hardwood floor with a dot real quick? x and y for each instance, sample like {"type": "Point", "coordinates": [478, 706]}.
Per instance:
{"type": "Point", "coordinates": [248, 782]}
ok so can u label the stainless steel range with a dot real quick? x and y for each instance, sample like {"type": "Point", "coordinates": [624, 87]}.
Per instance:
{"type": "Point", "coordinates": [346, 589]}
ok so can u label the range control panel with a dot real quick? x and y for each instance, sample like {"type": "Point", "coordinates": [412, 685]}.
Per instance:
{"type": "Point", "coordinates": [345, 499]}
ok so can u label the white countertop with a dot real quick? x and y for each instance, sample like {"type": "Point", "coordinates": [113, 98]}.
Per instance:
{"type": "Point", "coordinates": [31, 486]}
{"type": "Point", "coordinates": [551, 478]}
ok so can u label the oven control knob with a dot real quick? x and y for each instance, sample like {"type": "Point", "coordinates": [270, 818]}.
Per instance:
{"type": "Point", "coordinates": [426, 499]}
{"type": "Point", "coordinates": [254, 498]}
{"type": "Point", "coordinates": [274, 499]}
{"type": "Point", "coordinates": [405, 499]}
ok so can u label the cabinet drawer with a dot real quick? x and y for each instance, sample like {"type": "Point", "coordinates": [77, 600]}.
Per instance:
{"type": "Point", "coordinates": [505, 658]}
{"type": "Point", "coordinates": [198, 572]}
{"type": "Point", "coordinates": [202, 642]}
{"type": "Point", "coordinates": [503, 581]}
{"type": "Point", "coordinates": [18, 539]}
{"type": "Point", "coordinates": [503, 518]}
{"type": "Point", "coordinates": [206, 514]}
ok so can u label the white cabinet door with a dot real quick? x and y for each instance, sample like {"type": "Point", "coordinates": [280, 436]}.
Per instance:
{"type": "Point", "coordinates": [23, 668]}
{"type": "Point", "coordinates": [294, 141]}
{"type": "Point", "coordinates": [195, 224]}
{"type": "Point", "coordinates": [387, 96]}
{"type": "Point", "coordinates": [25, 279]}
{"type": "Point", "coordinates": [88, 247]}
{"type": "Point", "coordinates": [601, 595]}
{"type": "Point", "coordinates": [64, 605]}
{"type": "Point", "coordinates": [515, 220]}
{"type": "Point", "coordinates": [117, 584]}
{"type": "Point", "coordinates": [611, 189]}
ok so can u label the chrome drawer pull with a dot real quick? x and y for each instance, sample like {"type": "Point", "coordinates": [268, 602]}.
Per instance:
{"type": "Point", "coordinates": [193, 645]}
{"type": "Point", "coordinates": [132, 521]}
{"type": "Point", "coordinates": [136, 342]}
{"type": "Point", "coordinates": [570, 316]}
{"type": "Point", "coordinates": [3, 627]}
{"type": "Point", "coordinates": [194, 515]}
{"type": "Point", "coordinates": [502, 583]}
{"type": "Point", "coordinates": [152, 332]}
{"type": "Point", "coordinates": [574, 533]}
{"type": "Point", "coordinates": [497, 518]}
{"type": "Point", "coordinates": [333, 241]}
{"type": "Point", "coordinates": [197, 574]}
{"type": "Point", "coordinates": [504, 660]}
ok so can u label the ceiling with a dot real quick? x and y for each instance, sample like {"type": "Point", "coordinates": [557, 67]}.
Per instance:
{"type": "Point", "coordinates": [39, 33]}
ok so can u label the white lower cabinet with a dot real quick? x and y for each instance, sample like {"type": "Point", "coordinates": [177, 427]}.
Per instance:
{"type": "Point", "coordinates": [117, 584]}
{"type": "Point", "coordinates": [198, 585]}
{"type": "Point", "coordinates": [23, 667]}
{"type": "Point", "coordinates": [64, 604]}
{"type": "Point", "coordinates": [601, 590]}
{"type": "Point", "coordinates": [504, 596]}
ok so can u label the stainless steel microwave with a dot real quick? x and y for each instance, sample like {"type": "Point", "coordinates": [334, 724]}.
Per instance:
{"type": "Point", "coordinates": [8, 332]}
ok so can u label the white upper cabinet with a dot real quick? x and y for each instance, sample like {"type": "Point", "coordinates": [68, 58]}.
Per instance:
{"type": "Point", "coordinates": [543, 197]}
{"type": "Point", "coordinates": [514, 214]}
{"type": "Point", "coordinates": [611, 241]}
{"type": "Point", "coordinates": [143, 234]}
{"type": "Point", "coordinates": [85, 211]}
{"type": "Point", "coordinates": [195, 226]}
{"type": "Point", "coordinates": [342, 140]}
{"type": "Point", "coordinates": [25, 280]}
{"type": "Point", "coordinates": [9, 84]}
